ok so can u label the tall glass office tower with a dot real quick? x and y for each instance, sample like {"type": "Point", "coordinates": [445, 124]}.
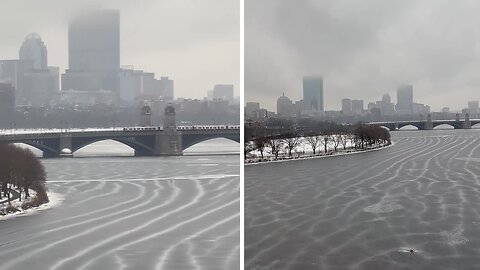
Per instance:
{"type": "Point", "coordinates": [33, 49]}
{"type": "Point", "coordinates": [405, 98]}
{"type": "Point", "coordinates": [93, 52]}
{"type": "Point", "coordinates": [313, 93]}
{"type": "Point", "coordinates": [94, 41]}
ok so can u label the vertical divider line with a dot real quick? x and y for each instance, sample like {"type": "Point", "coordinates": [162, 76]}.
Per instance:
{"type": "Point", "coordinates": [242, 126]}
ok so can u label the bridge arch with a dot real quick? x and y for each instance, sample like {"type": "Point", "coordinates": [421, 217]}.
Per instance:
{"type": "Point", "coordinates": [476, 125]}
{"type": "Point", "coordinates": [191, 140]}
{"type": "Point", "coordinates": [105, 147]}
{"type": "Point", "coordinates": [454, 125]}
{"type": "Point", "coordinates": [137, 146]}
{"type": "Point", "coordinates": [443, 126]}
{"type": "Point", "coordinates": [46, 150]}
{"type": "Point", "coordinates": [410, 125]}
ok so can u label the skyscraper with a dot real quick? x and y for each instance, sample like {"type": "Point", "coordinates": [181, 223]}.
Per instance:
{"type": "Point", "coordinates": [405, 99]}
{"type": "Point", "coordinates": [313, 93]}
{"type": "Point", "coordinates": [347, 106]}
{"type": "Point", "coordinates": [94, 52]}
{"type": "Point", "coordinates": [34, 81]}
{"type": "Point", "coordinates": [33, 49]}
{"type": "Point", "coordinates": [250, 107]}
{"type": "Point", "coordinates": [165, 86]}
{"type": "Point", "coordinates": [285, 106]}
{"type": "Point", "coordinates": [40, 85]}
{"type": "Point", "coordinates": [473, 107]}
{"type": "Point", "coordinates": [357, 106]}
{"type": "Point", "coordinates": [12, 71]}
{"type": "Point", "coordinates": [223, 91]}
{"type": "Point", "coordinates": [386, 99]}
{"type": "Point", "coordinates": [94, 41]}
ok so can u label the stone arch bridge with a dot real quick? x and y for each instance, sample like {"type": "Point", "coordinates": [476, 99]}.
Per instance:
{"type": "Point", "coordinates": [429, 124]}
{"type": "Point", "coordinates": [146, 141]}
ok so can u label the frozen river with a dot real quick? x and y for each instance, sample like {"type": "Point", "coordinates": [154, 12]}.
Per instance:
{"type": "Point", "coordinates": [133, 212]}
{"type": "Point", "coordinates": [415, 205]}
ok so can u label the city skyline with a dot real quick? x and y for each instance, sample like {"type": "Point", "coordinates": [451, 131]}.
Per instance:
{"type": "Point", "coordinates": [363, 50]}
{"type": "Point", "coordinates": [178, 48]}
{"type": "Point", "coordinates": [405, 104]}
{"type": "Point", "coordinates": [297, 96]}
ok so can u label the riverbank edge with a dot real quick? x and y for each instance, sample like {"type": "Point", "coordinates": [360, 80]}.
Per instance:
{"type": "Point", "coordinates": [385, 146]}
{"type": "Point", "coordinates": [54, 200]}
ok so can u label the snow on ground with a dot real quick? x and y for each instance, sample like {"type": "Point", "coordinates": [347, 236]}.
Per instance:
{"type": "Point", "coordinates": [304, 151]}
{"type": "Point", "coordinates": [55, 200]}
{"type": "Point", "coordinates": [303, 148]}
{"type": "Point", "coordinates": [339, 153]}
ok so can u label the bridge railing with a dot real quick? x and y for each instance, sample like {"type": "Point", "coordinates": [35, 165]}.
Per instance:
{"type": "Point", "coordinates": [209, 127]}
{"type": "Point", "coordinates": [73, 131]}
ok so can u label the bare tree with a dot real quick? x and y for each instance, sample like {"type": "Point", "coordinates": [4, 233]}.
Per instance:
{"type": "Point", "coordinates": [259, 144]}
{"type": "Point", "coordinates": [314, 142]}
{"type": "Point", "coordinates": [35, 176]}
{"type": "Point", "coordinates": [326, 140]}
{"type": "Point", "coordinates": [344, 138]}
{"type": "Point", "coordinates": [276, 146]}
{"type": "Point", "coordinates": [290, 144]}
{"type": "Point", "coordinates": [370, 135]}
{"type": "Point", "coordinates": [360, 135]}
{"type": "Point", "coordinates": [20, 168]}
{"type": "Point", "coordinates": [8, 168]}
{"type": "Point", "coordinates": [247, 148]}
{"type": "Point", "coordinates": [337, 140]}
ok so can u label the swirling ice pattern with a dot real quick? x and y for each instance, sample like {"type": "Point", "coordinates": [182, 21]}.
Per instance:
{"type": "Point", "coordinates": [415, 205]}
{"type": "Point", "coordinates": [132, 213]}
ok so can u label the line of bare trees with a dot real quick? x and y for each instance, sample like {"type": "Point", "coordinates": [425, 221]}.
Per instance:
{"type": "Point", "coordinates": [21, 170]}
{"type": "Point", "coordinates": [370, 135]}
{"type": "Point", "coordinates": [359, 136]}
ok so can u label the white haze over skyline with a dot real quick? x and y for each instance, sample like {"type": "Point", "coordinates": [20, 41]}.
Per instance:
{"type": "Point", "coordinates": [363, 49]}
{"type": "Point", "coordinates": [195, 43]}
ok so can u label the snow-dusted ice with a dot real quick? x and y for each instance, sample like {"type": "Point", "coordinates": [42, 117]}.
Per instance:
{"type": "Point", "coordinates": [413, 205]}
{"type": "Point", "coordinates": [132, 213]}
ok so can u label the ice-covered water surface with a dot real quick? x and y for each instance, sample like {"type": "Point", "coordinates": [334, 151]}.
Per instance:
{"type": "Point", "coordinates": [131, 213]}
{"type": "Point", "coordinates": [411, 206]}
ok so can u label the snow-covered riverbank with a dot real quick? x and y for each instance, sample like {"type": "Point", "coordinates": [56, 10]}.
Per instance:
{"type": "Point", "coordinates": [321, 155]}
{"type": "Point", "coordinates": [54, 200]}
{"type": "Point", "coordinates": [303, 149]}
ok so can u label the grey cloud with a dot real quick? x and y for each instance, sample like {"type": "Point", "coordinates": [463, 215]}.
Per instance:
{"type": "Point", "coordinates": [363, 49]}
{"type": "Point", "coordinates": [199, 34]}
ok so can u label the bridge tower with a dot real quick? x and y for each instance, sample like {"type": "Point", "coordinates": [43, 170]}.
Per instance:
{"type": "Point", "coordinates": [429, 123]}
{"type": "Point", "coordinates": [146, 116]}
{"type": "Point", "coordinates": [169, 141]}
{"type": "Point", "coordinates": [466, 123]}
{"type": "Point", "coordinates": [169, 118]}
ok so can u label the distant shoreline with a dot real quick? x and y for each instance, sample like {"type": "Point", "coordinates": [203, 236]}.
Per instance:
{"type": "Point", "coordinates": [332, 154]}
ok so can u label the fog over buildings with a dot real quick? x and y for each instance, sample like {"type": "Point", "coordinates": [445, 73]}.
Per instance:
{"type": "Point", "coordinates": [194, 43]}
{"type": "Point", "coordinates": [363, 49]}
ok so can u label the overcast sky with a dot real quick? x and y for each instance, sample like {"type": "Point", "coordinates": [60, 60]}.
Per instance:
{"type": "Point", "coordinates": [196, 43]}
{"type": "Point", "coordinates": [363, 49]}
